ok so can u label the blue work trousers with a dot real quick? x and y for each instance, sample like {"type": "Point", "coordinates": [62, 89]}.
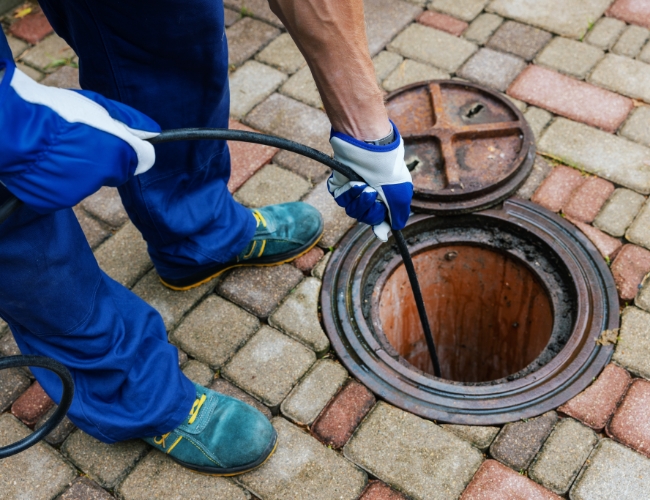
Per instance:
{"type": "Point", "coordinates": [168, 59]}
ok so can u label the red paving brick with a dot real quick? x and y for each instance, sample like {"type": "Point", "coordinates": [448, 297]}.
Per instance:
{"type": "Point", "coordinates": [378, 490]}
{"type": "Point", "coordinates": [596, 404]}
{"type": "Point", "coordinates": [495, 481]}
{"type": "Point", "coordinates": [631, 423]}
{"type": "Point", "coordinates": [586, 201]}
{"type": "Point", "coordinates": [309, 260]}
{"type": "Point", "coordinates": [246, 158]}
{"type": "Point", "coordinates": [631, 11]}
{"type": "Point", "coordinates": [607, 245]}
{"type": "Point", "coordinates": [340, 418]}
{"type": "Point", "coordinates": [442, 22]}
{"type": "Point", "coordinates": [629, 268]}
{"type": "Point", "coordinates": [554, 193]}
{"type": "Point", "coordinates": [572, 98]}
{"type": "Point", "coordinates": [32, 405]}
{"type": "Point", "coordinates": [32, 28]}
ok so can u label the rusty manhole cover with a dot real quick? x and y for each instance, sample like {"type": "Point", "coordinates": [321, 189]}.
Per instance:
{"type": "Point", "coordinates": [468, 147]}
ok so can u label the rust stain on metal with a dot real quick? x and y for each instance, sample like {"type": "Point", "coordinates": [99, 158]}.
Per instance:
{"type": "Point", "coordinates": [473, 147]}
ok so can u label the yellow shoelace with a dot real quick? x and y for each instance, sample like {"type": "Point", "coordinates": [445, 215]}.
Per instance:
{"type": "Point", "coordinates": [194, 412]}
{"type": "Point", "coordinates": [259, 218]}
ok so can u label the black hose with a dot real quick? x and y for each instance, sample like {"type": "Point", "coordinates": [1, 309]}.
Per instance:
{"type": "Point", "coordinates": [195, 134]}
{"type": "Point", "coordinates": [59, 413]}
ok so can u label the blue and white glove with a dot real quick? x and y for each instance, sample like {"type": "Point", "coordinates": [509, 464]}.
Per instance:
{"type": "Point", "coordinates": [386, 195]}
{"type": "Point", "coordinates": [59, 146]}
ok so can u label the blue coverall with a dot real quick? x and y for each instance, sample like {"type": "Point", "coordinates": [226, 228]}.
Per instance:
{"type": "Point", "coordinates": [169, 60]}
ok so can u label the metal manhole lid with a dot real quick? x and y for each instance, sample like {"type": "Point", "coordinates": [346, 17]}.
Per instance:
{"type": "Point", "coordinates": [469, 147]}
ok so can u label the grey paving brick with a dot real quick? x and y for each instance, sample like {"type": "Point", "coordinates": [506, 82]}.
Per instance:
{"type": "Point", "coordinates": [644, 55]}
{"type": "Point", "coordinates": [85, 489]}
{"type": "Point", "coordinates": [479, 436]}
{"type": "Point", "coordinates": [46, 53]}
{"type": "Point", "coordinates": [631, 41]}
{"type": "Point", "coordinates": [385, 19]}
{"type": "Point", "coordinates": [283, 54]}
{"type": "Point", "coordinates": [157, 476]}
{"type": "Point", "coordinates": [518, 442]}
{"type": "Point", "coordinates": [623, 75]}
{"type": "Point", "coordinates": [3, 327]}
{"type": "Point", "coordinates": [298, 316]}
{"type": "Point", "coordinates": [421, 460]}
{"type": "Point", "coordinates": [433, 47]}
{"type": "Point", "coordinates": [336, 220]}
{"type": "Point", "coordinates": [106, 205]}
{"type": "Point", "coordinates": [482, 28]}
{"type": "Point", "coordinates": [319, 269]}
{"type": "Point", "coordinates": [538, 119]}
{"type": "Point", "coordinates": [637, 126]}
{"type": "Point", "coordinates": [605, 33]}
{"type": "Point", "coordinates": [639, 230]}
{"type": "Point", "coordinates": [410, 71]}
{"type": "Point", "coordinates": [271, 185]}
{"type": "Point", "coordinates": [633, 347]}
{"type": "Point", "coordinates": [569, 56]}
{"type": "Point", "coordinates": [563, 455]}
{"type": "Point", "coordinates": [642, 300]}
{"type": "Point", "coordinates": [571, 19]}
{"type": "Point", "coordinates": [301, 467]}
{"type": "Point", "coordinates": [269, 365]}
{"type": "Point", "coordinates": [259, 289]}
{"type": "Point", "coordinates": [520, 105]}
{"type": "Point", "coordinates": [258, 9]}
{"type": "Point", "coordinates": [13, 382]}
{"type": "Point", "coordinates": [215, 330]}
{"type": "Point", "coordinates": [105, 463]}
{"type": "Point", "coordinates": [614, 158]}
{"type": "Point", "coordinates": [124, 256]}
{"type": "Point", "coordinates": [466, 10]}
{"type": "Point", "coordinates": [247, 37]}
{"type": "Point", "coordinates": [8, 346]}
{"type": "Point", "coordinates": [60, 432]}
{"type": "Point", "coordinates": [251, 84]}
{"type": "Point", "coordinates": [302, 87]}
{"type": "Point", "coordinates": [30, 72]}
{"type": "Point", "coordinates": [94, 231]}
{"type": "Point", "coordinates": [230, 17]}
{"type": "Point", "coordinates": [198, 372]}
{"type": "Point", "coordinates": [309, 397]}
{"type": "Point", "coordinates": [385, 62]}
{"type": "Point", "coordinates": [613, 471]}
{"type": "Point", "coordinates": [519, 39]}
{"type": "Point", "coordinates": [222, 386]}
{"type": "Point", "coordinates": [291, 119]}
{"type": "Point", "coordinates": [172, 305]}
{"type": "Point", "coordinates": [16, 45]}
{"type": "Point", "coordinates": [66, 77]}
{"type": "Point", "coordinates": [492, 68]}
{"type": "Point", "coordinates": [38, 473]}
{"type": "Point", "coordinates": [182, 356]}
{"type": "Point", "coordinates": [619, 211]}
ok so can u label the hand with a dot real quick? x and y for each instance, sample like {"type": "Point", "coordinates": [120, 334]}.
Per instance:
{"type": "Point", "coordinates": [388, 190]}
{"type": "Point", "coordinates": [60, 146]}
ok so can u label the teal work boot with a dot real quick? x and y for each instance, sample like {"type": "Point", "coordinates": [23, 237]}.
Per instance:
{"type": "Point", "coordinates": [222, 436]}
{"type": "Point", "coordinates": [284, 233]}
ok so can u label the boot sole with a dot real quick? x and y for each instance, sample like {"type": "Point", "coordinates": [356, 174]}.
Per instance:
{"type": "Point", "coordinates": [232, 471]}
{"type": "Point", "coordinates": [189, 283]}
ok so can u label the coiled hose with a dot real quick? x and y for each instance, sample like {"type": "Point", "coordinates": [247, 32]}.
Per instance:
{"type": "Point", "coordinates": [197, 134]}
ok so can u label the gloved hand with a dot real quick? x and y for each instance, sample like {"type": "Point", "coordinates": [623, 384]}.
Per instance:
{"type": "Point", "coordinates": [59, 146]}
{"type": "Point", "coordinates": [389, 189]}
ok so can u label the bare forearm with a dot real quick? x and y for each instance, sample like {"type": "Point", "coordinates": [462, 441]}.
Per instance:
{"type": "Point", "coordinates": [331, 36]}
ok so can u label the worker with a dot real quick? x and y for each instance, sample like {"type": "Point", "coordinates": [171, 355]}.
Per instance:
{"type": "Point", "coordinates": [144, 66]}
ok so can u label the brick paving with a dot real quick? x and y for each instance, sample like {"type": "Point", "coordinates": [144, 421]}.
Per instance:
{"type": "Point", "coordinates": [591, 121]}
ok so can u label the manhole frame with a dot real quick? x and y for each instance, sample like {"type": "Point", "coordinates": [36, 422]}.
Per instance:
{"type": "Point", "coordinates": [565, 376]}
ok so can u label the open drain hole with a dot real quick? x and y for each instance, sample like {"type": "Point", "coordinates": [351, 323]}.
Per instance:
{"type": "Point", "coordinates": [490, 316]}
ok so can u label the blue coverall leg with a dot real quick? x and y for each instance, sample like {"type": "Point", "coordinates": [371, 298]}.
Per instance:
{"type": "Point", "coordinates": [167, 59]}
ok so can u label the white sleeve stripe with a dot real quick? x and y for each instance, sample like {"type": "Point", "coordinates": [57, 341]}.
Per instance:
{"type": "Point", "coordinates": [75, 108]}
